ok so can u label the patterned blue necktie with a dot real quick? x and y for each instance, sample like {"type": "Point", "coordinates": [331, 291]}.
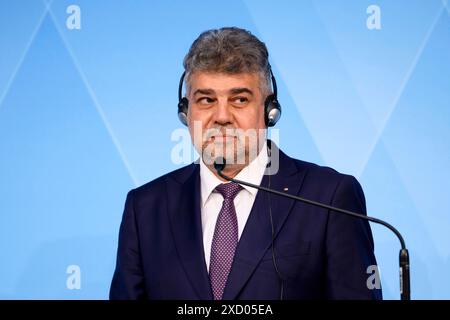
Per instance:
{"type": "Point", "coordinates": [225, 239]}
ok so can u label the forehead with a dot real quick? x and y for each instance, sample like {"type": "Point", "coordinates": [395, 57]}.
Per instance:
{"type": "Point", "coordinates": [223, 81]}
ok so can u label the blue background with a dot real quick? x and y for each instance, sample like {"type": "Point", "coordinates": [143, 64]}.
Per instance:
{"type": "Point", "coordinates": [86, 115]}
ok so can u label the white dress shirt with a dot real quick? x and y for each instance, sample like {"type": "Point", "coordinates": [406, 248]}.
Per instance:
{"type": "Point", "coordinates": [211, 202]}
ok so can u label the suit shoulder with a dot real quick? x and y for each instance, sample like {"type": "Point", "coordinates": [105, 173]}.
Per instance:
{"type": "Point", "coordinates": [157, 185]}
{"type": "Point", "coordinates": [327, 183]}
{"type": "Point", "coordinates": [322, 174]}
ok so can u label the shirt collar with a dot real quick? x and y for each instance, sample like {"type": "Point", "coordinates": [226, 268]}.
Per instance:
{"type": "Point", "coordinates": [252, 173]}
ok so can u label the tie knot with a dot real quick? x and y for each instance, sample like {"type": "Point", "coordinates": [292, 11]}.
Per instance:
{"type": "Point", "coordinates": [228, 190]}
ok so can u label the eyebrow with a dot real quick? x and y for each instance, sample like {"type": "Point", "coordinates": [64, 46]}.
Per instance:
{"type": "Point", "coordinates": [203, 91]}
{"type": "Point", "coordinates": [232, 91]}
{"type": "Point", "coordinates": [241, 90]}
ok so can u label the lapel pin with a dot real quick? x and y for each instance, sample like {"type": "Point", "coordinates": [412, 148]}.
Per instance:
{"type": "Point", "coordinates": [286, 189]}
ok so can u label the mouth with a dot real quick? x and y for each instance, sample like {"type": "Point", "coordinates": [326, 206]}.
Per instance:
{"type": "Point", "coordinates": [222, 138]}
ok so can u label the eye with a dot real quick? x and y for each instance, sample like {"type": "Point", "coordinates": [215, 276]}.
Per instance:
{"type": "Point", "coordinates": [205, 100]}
{"type": "Point", "coordinates": [240, 100]}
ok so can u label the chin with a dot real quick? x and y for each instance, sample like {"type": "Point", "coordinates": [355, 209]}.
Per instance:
{"type": "Point", "coordinates": [233, 152]}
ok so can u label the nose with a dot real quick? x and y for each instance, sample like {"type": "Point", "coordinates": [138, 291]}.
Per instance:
{"type": "Point", "coordinates": [222, 114]}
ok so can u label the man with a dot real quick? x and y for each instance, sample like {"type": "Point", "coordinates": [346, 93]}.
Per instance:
{"type": "Point", "coordinates": [190, 234]}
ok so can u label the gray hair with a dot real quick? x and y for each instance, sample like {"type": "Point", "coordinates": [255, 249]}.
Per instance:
{"type": "Point", "coordinates": [229, 50]}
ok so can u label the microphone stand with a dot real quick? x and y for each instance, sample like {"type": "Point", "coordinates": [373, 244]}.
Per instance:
{"type": "Point", "coordinates": [405, 291]}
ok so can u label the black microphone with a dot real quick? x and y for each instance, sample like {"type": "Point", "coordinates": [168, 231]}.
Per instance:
{"type": "Point", "coordinates": [405, 292]}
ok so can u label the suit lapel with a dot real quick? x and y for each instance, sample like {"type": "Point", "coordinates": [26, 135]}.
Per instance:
{"type": "Point", "coordinates": [257, 235]}
{"type": "Point", "coordinates": [184, 212]}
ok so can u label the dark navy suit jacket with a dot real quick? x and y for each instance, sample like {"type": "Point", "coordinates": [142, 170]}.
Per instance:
{"type": "Point", "coordinates": [320, 254]}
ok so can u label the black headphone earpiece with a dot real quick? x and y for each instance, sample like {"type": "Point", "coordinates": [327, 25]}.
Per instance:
{"type": "Point", "coordinates": [183, 102]}
{"type": "Point", "coordinates": [272, 108]}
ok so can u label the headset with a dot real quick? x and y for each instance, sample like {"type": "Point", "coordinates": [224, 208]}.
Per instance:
{"type": "Point", "coordinates": [272, 108]}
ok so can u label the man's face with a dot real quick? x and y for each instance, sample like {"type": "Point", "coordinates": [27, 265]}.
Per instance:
{"type": "Point", "coordinates": [228, 108]}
